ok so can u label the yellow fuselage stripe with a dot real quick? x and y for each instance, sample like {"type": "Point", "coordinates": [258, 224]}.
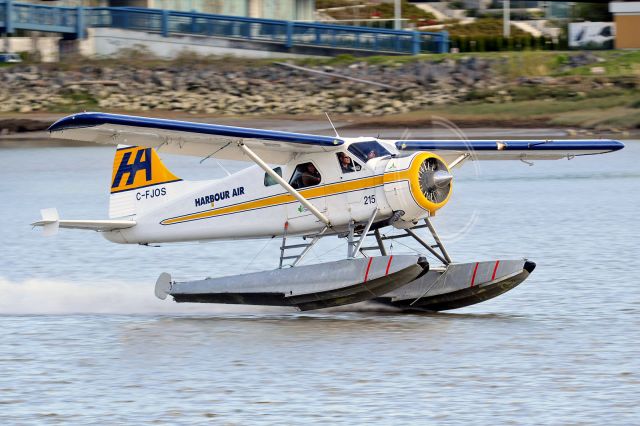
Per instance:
{"type": "Point", "coordinates": [322, 191]}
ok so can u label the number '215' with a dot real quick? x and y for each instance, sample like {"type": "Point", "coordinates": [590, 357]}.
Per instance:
{"type": "Point", "coordinates": [369, 199]}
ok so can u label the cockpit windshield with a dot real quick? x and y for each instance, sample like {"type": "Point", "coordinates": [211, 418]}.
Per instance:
{"type": "Point", "coordinates": [365, 151]}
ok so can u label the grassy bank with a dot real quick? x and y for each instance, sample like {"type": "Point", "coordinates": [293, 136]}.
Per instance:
{"type": "Point", "coordinates": [553, 89]}
{"type": "Point", "coordinates": [514, 64]}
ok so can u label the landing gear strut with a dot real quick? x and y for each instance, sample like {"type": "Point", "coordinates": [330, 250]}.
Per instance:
{"type": "Point", "coordinates": [437, 249]}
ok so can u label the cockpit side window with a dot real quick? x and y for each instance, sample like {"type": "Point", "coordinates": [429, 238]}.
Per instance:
{"type": "Point", "coordinates": [305, 174]}
{"type": "Point", "coordinates": [365, 151]}
{"type": "Point", "coordinates": [268, 180]}
{"type": "Point", "coordinates": [347, 165]}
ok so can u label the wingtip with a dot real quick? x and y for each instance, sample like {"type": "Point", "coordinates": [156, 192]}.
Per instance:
{"type": "Point", "coordinates": [616, 145]}
{"type": "Point", "coordinates": [73, 120]}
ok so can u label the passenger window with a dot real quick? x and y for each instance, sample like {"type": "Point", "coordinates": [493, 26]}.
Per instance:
{"type": "Point", "coordinates": [268, 180]}
{"type": "Point", "coordinates": [365, 151]}
{"type": "Point", "coordinates": [305, 175]}
{"type": "Point", "coordinates": [347, 165]}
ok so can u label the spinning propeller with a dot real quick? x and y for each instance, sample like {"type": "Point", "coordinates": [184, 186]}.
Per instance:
{"type": "Point", "coordinates": [435, 180]}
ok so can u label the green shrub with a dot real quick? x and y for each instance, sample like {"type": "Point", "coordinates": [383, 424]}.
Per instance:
{"type": "Point", "coordinates": [481, 43]}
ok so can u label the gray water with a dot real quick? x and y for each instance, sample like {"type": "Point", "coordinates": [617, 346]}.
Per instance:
{"type": "Point", "coordinates": [84, 341]}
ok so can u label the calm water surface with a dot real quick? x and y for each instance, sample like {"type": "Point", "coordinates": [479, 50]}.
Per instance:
{"type": "Point", "coordinates": [83, 340]}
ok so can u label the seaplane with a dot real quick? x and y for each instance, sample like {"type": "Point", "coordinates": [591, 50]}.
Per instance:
{"type": "Point", "coordinates": [303, 188]}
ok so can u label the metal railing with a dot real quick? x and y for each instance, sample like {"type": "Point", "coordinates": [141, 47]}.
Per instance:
{"type": "Point", "coordinates": [26, 16]}
{"type": "Point", "coordinates": [36, 17]}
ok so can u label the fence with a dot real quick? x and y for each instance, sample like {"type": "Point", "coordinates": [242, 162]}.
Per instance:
{"type": "Point", "coordinates": [74, 21]}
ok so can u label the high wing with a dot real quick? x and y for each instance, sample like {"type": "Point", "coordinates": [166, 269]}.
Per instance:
{"type": "Point", "coordinates": [451, 150]}
{"type": "Point", "coordinates": [188, 138]}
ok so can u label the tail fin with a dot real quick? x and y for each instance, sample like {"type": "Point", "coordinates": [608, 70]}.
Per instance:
{"type": "Point", "coordinates": [139, 181]}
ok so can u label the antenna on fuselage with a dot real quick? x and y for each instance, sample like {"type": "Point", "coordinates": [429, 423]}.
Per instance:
{"type": "Point", "coordinates": [215, 159]}
{"type": "Point", "coordinates": [331, 122]}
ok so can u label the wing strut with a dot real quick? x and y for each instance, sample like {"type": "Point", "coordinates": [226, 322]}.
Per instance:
{"type": "Point", "coordinates": [291, 190]}
{"type": "Point", "coordinates": [458, 161]}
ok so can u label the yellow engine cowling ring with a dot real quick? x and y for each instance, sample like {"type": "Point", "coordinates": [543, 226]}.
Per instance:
{"type": "Point", "coordinates": [403, 189]}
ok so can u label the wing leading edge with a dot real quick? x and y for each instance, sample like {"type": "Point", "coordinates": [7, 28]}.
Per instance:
{"type": "Point", "coordinates": [512, 149]}
{"type": "Point", "coordinates": [188, 138]}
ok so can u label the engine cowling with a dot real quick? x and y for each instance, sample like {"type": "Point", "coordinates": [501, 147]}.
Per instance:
{"type": "Point", "coordinates": [417, 184]}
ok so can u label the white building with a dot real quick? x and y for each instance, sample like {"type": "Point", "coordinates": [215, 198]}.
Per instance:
{"type": "Point", "coordinates": [292, 10]}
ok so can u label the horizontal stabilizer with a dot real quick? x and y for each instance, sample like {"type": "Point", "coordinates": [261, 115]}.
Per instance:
{"type": "Point", "coordinates": [51, 222]}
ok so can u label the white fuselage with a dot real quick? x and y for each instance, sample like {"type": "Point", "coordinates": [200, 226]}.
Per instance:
{"type": "Point", "coordinates": [243, 206]}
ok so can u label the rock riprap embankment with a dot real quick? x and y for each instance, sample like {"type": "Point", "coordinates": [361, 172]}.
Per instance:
{"type": "Point", "coordinates": [232, 87]}
{"type": "Point", "coordinates": [214, 88]}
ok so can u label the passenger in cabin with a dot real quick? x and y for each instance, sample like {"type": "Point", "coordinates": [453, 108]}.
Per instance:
{"type": "Point", "coordinates": [310, 176]}
{"type": "Point", "coordinates": [372, 154]}
{"type": "Point", "coordinates": [346, 164]}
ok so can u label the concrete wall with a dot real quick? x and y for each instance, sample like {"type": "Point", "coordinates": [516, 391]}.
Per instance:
{"type": "Point", "coordinates": [110, 41]}
{"type": "Point", "coordinates": [47, 47]}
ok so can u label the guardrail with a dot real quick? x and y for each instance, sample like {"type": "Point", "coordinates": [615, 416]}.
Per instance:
{"type": "Point", "coordinates": [27, 16]}
{"type": "Point", "coordinates": [36, 17]}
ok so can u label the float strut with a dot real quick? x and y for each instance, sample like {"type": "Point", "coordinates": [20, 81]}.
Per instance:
{"type": "Point", "coordinates": [427, 246]}
{"type": "Point", "coordinates": [383, 250]}
{"type": "Point", "coordinates": [437, 239]}
{"type": "Point", "coordinates": [357, 246]}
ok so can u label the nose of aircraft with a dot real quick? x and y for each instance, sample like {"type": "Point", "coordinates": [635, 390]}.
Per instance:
{"type": "Point", "coordinates": [440, 179]}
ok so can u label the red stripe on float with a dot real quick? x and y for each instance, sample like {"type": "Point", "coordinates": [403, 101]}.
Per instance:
{"type": "Point", "coordinates": [473, 278]}
{"type": "Point", "coordinates": [388, 265]}
{"type": "Point", "coordinates": [366, 274]}
{"type": "Point", "coordinates": [495, 269]}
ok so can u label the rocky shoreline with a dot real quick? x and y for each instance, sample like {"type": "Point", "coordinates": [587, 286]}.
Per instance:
{"type": "Point", "coordinates": [263, 89]}
{"type": "Point", "coordinates": [217, 88]}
